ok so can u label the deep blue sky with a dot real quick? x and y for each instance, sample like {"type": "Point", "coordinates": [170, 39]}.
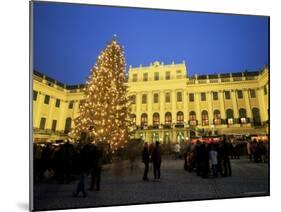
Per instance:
{"type": "Point", "coordinates": [68, 38]}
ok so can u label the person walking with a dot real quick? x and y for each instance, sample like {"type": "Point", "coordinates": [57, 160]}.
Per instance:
{"type": "Point", "coordinates": [214, 160]}
{"type": "Point", "coordinates": [156, 159]}
{"type": "Point", "coordinates": [249, 149]}
{"type": "Point", "coordinates": [177, 150]}
{"type": "Point", "coordinates": [145, 160]}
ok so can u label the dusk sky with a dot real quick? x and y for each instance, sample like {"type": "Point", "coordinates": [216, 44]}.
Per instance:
{"type": "Point", "coordinates": [69, 37]}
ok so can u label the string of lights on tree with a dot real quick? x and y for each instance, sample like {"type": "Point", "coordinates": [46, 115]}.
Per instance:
{"type": "Point", "coordinates": [104, 113]}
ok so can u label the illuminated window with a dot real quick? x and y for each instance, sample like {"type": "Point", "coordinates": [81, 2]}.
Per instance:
{"type": "Point", "coordinates": [155, 98]}
{"type": "Point", "coordinates": [242, 115]}
{"type": "Point", "coordinates": [192, 118]}
{"type": "Point", "coordinates": [35, 93]}
{"type": "Point", "coordinates": [167, 97]}
{"type": "Point", "coordinates": [180, 118]}
{"type": "Point", "coordinates": [145, 76]}
{"type": "Point", "coordinates": [191, 97]}
{"type": "Point", "coordinates": [168, 118]}
{"type": "Point", "coordinates": [144, 119]}
{"type": "Point", "coordinates": [155, 119]}
{"type": "Point", "coordinates": [229, 116]}
{"type": "Point", "coordinates": [156, 75]}
{"type": "Point", "coordinates": [203, 96]}
{"type": "Point", "coordinates": [217, 117]}
{"type": "Point", "coordinates": [144, 99]}
{"type": "Point", "coordinates": [205, 118]}
{"type": "Point", "coordinates": [215, 95]}
{"type": "Point", "coordinates": [47, 99]}
{"type": "Point", "coordinates": [179, 96]}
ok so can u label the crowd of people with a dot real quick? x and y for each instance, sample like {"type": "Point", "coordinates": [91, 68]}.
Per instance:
{"type": "Point", "coordinates": [209, 159]}
{"type": "Point", "coordinates": [258, 151]}
{"type": "Point", "coordinates": [65, 161]}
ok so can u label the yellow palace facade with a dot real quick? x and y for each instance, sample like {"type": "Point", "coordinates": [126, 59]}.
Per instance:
{"type": "Point", "coordinates": [166, 104]}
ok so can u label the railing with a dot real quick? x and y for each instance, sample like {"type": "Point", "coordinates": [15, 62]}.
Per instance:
{"type": "Point", "coordinates": [48, 132]}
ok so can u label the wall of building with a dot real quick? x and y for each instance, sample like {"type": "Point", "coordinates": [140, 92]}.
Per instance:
{"type": "Point", "coordinates": [162, 80]}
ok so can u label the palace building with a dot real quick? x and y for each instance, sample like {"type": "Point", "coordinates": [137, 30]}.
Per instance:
{"type": "Point", "coordinates": [166, 104]}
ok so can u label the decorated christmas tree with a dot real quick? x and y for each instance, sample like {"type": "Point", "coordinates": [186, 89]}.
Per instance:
{"type": "Point", "coordinates": [104, 113]}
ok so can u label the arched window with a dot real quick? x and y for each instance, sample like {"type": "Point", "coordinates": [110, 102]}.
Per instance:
{"type": "Point", "coordinates": [144, 119]}
{"type": "Point", "coordinates": [155, 119]}
{"type": "Point", "coordinates": [180, 117]}
{"type": "Point", "coordinates": [242, 115]}
{"type": "Point", "coordinates": [217, 117]}
{"type": "Point", "coordinates": [168, 118]}
{"type": "Point", "coordinates": [256, 116]}
{"type": "Point", "coordinates": [67, 127]}
{"type": "Point", "coordinates": [132, 99]}
{"type": "Point", "coordinates": [192, 118]}
{"type": "Point", "coordinates": [229, 116]}
{"type": "Point", "coordinates": [133, 119]}
{"type": "Point", "coordinates": [205, 118]}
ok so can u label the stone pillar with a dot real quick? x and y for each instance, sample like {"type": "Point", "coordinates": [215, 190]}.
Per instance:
{"type": "Point", "coordinates": [39, 102]}
{"type": "Point", "coordinates": [210, 108]}
{"type": "Point", "coordinates": [50, 114]}
{"type": "Point", "coordinates": [138, 109]}
{"type": "Point", "coordinates": [149, 108]}
{"type": "Point", "coordinates": [248, 105]}
{"type": "Point", "coordinates": [197, 109]}
{"type": "Point", "coordinates": [263, 110]}
{"type": "Point", "coordinates": [75, 112]}
{"type": "Point", "coordinates": [174, 109]}
{"type": "Point", "coordinates": [222, 107]}
{"type": "Point", "coordinates": [62, 117]}
{"type": "Point", "coordinates": [185, 106]}
{"type": "Point", "coordinates": [234, 104]}
{"type": "Point", "coordinates": [162, 104]}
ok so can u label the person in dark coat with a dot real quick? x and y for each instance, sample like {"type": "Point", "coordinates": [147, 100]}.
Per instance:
{"type": "Point", "coordinates": [145, 160]}
{"type": "Point", "coordinates": [96, 163]}
{"type": "Point", "coordinates": [83, 168]}
{"type": "Point", "coordinates": [204, 160]}
{"type": "Point", "coordinates": [197, 157]}
{"type": "Point", "coordinates": [156, 159]}
{"type": "Point", "coordinates": [225, 152]}
{"type": "Point", "coordinates": [67, 152]}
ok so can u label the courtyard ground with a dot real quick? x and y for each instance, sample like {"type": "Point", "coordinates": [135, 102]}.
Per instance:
{"type": "Point", "coordinates": [121, 185]}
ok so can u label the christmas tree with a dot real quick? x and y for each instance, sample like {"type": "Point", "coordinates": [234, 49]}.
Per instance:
{"type": "Point", "coordinates": [104, 112]}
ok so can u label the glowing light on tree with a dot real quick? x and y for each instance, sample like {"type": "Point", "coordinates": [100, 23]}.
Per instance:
{"type": "Point", "coordinates": [104, 113]}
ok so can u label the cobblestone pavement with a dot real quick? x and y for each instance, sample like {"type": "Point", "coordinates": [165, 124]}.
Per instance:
{"type": "Point", "coordinates": [121, 185]}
